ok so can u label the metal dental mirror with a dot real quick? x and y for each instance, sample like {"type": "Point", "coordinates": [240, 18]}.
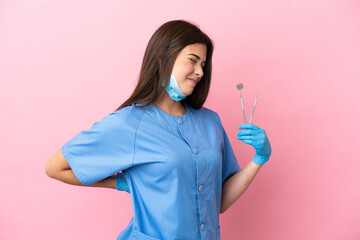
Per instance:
{"type": "Point", "coordinates": [239, 87]}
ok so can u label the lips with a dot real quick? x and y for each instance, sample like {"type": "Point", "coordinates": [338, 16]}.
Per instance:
{"type": "Point", "coordinates": [193, 81]}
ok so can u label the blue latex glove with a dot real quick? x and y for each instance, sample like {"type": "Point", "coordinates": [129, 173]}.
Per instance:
{"type": "Point", "coordinates": [121, 183]}
{"type": "Point", "coordinates": [257, 138]}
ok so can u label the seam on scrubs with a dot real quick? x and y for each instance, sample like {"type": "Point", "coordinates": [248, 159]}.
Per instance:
{"type": "Point", "coordinates": [137, 127]}
{"type": "Point", "coordinates": [233, 163]}
{"type": "Point", "coordinates": [223, 151]}
{"type": "Point", "coordinates": [218, 118]}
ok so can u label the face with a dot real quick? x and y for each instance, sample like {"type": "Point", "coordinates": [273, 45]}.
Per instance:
{"type": "Point", "coordinates": [188, 66]}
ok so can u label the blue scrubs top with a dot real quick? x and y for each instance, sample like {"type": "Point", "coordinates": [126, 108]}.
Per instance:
{"type": "Point", "coordinates": [174, 165]}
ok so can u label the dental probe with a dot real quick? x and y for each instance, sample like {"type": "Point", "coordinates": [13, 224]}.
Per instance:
{"type": "Point", "coordinates": [254, 106]}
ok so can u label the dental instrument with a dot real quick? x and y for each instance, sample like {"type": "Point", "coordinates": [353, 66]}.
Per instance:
{"type": "Point", "coordinates": [254, 105]}
{"type": "Point", "coordinates": [239, 87]}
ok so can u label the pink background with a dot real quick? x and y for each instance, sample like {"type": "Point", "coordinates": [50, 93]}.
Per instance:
{"type": "Point", "coordinates": [66, 64]}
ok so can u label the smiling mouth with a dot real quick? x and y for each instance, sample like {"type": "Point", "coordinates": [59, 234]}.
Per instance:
{"type": "Point", "coordinates": [193, 81]}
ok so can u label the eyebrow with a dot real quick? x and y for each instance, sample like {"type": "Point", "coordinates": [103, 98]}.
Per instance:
{"type": "Point", "coordinates": [196, 56]}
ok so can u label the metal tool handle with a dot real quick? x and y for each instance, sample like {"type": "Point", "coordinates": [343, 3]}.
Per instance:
{"type": "Point", "coordinates": [254, 106]}
{"type": "Point", "coordinates": [242, 105]}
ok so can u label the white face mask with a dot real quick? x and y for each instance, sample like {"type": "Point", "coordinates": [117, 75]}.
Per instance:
{"type": "Point", "coordinates": [174, 90]}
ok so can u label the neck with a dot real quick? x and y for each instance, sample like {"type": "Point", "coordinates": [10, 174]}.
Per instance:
{"type": "Point", "coordinates": [166, 104]}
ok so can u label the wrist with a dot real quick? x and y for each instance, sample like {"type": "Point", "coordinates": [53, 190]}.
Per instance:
{"type": "Point", "coordinates": [260, 160]}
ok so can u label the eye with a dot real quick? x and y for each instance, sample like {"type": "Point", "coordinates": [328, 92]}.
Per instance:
{"type": "Point", "coordinates": [194, 61]}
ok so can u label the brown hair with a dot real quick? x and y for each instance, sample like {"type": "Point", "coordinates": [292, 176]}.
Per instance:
{"type": "Point", "coordinates": [161, 52]}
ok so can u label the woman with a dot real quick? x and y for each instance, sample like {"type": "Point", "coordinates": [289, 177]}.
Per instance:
{"type": "Point", "coordinates": [171, 153]}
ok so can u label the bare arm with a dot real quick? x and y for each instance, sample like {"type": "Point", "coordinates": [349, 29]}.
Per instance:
{"type": "Point", "coordinates": [237, 184]}
{"type": "Point", "coordinates": [58, 168]}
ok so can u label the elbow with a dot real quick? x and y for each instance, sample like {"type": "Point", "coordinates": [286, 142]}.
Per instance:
{"type": "Point", "coordinates": [49, 169]}
{"type": "Point", "coordinates": [56, 165]}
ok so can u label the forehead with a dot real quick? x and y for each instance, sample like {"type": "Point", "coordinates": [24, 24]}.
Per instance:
{"type": "Point", "coordinates": [197, 48]}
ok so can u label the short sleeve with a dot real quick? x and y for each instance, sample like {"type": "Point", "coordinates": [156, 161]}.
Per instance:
{"type": "Point", "coordinates": [230, 163]}
{"type": "Point", "coordinates": [103, 150]}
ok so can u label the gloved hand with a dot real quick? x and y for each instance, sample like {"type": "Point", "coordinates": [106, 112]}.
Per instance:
{"type": "Point", "coordinates": [257, 138]}
{"type": "Point", "coordinates": [121, 183]}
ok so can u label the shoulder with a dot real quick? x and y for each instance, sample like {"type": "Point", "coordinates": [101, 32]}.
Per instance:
{"type": "Point", "coordinates": [126, 118]}
{"type": "Point", "coordinates": [208, 111]}
{"type": "Point", "coordinates": [209, 114]}
{"type": "Point", "coordinates": [129, 113]}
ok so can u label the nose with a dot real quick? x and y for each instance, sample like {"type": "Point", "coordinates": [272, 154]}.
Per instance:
{"type": "Point", "coordinates": [199, 72]}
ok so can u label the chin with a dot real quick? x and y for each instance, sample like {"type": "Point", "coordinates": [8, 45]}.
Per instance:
{"type": "Point", "coordinates": [188, 93]}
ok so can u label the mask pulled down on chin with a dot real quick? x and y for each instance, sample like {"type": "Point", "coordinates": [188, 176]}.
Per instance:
{"type": "Point", "coordinates": [174, 90]}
